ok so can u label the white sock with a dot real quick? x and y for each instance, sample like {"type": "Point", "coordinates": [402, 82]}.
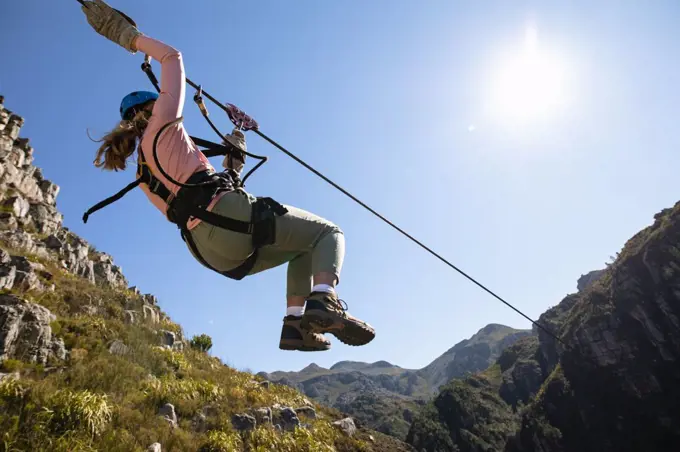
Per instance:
{"type": "Point", "coordinates": [296, 311]}
{"type": "Point", "coordinates": [323, 288]}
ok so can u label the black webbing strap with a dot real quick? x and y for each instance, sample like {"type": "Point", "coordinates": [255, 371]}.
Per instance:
{"type": "Point", "coordinates": [261, 228]}
{"type": "Point", "coordinates": [111, 199]}
{"type": "Point", "coordinates": [244, 227]}
{"type": "Point", "coordinates": [212, 149]}
{"type": "Point", "coordinates": [145, 176]}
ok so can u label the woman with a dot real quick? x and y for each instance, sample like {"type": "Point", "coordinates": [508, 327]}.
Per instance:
{"type": "Point", "coordinates": [312, 246]}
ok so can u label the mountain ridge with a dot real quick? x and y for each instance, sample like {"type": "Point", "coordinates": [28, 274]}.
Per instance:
{"type": "Point", "coordinates": [614, 388]}
{"type": "Point", "coordinates": [385, 396]}
{"type": "Point", "coordinates": [348, 365]}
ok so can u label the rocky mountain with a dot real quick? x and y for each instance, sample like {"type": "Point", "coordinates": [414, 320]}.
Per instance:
{"type": "Point", "coordinates": [471, 355]}
{"type": "Point", "coordinates": [90, 364]}
{"type": "Point", "coordinates": [611, 384]}
{"type": "Point", "coordinates": [385, 396]}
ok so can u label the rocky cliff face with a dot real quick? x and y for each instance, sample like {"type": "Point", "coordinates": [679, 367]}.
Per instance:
{"type": "Point", "coordinates": [384, 396]}
{"type": "Point", "coordinates": [88, 363]}
{"type": "Point", "coordinates": [615, 388]}
{"type": "Point", "coordinates": [29, 220]}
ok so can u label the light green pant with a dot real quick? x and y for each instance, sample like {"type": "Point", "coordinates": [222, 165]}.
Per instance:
{"type": "Point", "coordinates": [309, 243]}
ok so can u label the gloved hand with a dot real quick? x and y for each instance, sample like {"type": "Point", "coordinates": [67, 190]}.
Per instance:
{"type": "Point", "coordinates": [111, 24]}
{"type": "Point", "coordinates": [237, 139]}
{"type": "Point", "coordinates": [231, 161]}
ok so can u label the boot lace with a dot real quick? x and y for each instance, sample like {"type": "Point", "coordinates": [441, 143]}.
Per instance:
{"type": "Point", "coordinates": [340, 303]}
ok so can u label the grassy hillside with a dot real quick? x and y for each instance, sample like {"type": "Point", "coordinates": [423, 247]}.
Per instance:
{"type": "Point", "coordinates": [99, 400]}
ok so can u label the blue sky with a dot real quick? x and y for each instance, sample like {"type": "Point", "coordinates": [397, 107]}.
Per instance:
{"type": "Point", "coordinates": [391, 100]}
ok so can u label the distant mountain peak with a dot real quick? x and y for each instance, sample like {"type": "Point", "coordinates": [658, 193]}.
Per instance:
{"type": "Point", "coordinates": [382, 364]}
{"type": "Point", "coordinates": [350, 365]}
{"type": "Point", "coordinates": [313, 368]}
{"type": "Point", "coordinates": [492, 328]}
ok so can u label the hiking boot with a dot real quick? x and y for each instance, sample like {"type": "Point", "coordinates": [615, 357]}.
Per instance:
{"type": "Point", "coordinates": [295, 338]}
{"type": "Point", "coordinates": [324, 313]}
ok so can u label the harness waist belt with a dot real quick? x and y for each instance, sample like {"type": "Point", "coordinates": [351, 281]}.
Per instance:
{"type": "Point", "coordinates": [188, 199]}
{"type": "Point", "coordinates": [192, 202]}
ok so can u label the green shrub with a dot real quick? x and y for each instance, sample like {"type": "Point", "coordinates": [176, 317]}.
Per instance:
{"type": "Point", "coordinates": [321, 437]}
{"type": "Point", "coordinates": [202, 342]}
{"type": "Point", "coordinates": [222, 442]}
{"type": "Point", "coordinates": [167, 324]}
{"type": "Point", "coordinates": [174, 359]}
{"type": "Point", "coordinates": [169, 389]}
{"type": "Point", "coordinates": [71, 411]}
{"type": "Point", "coordinates": [11, 391]}
{"type": "Point", "coordinates": [11, 365]}
{"type": "Point", "coordinates": [56, 327]}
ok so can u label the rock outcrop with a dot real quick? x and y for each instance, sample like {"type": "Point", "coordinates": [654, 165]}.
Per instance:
{"type": "Point", "coordinates": [346, 425]}
{"type": "Point", "coordinates": [25, 332]}
{"type": "Point", "coordinates": [29, 220]}
{"type": "Point", "coordinates": [588, 279]}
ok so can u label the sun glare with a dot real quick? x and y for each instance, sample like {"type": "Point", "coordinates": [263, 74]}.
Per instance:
{"type": "Point", "coordinates": [527, 84]}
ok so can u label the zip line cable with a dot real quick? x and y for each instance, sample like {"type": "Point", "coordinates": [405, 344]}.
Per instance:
{"type": "Point", "coordinates": [426, 248]}
{"type": "Point", "coordinates": [146, 67]}
{"type": "Point", "coordinates": [383, 218]}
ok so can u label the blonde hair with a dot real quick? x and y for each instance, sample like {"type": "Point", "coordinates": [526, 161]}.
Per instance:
{"type": "Point", "coordinates": [119, 144]}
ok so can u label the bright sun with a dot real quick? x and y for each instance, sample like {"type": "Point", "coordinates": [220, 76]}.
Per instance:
{"type": "Point", "coordinates": [529, 84]}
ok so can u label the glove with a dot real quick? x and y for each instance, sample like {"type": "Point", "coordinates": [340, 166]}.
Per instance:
{"type": "Point", "coordinates": [237, 139]}
{"type": "Point", "coordinates": [231, 162]}
{"type": "Point", "coordinates": [111, 24]}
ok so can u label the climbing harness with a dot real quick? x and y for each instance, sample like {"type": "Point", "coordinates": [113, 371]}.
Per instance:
{"type": "Point", "coordinates": [192, 201]}
{"type": "Point", "coordinates": [262, 221]}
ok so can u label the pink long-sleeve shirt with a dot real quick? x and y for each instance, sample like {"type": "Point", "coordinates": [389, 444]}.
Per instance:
{"type": "Point", "coordinates": [177, 154]}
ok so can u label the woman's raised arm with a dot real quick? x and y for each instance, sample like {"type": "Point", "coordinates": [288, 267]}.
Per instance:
{"type": "Point", "coordinates": [116, 27]}
{"type": "Point", "coordinates": [170, 103]}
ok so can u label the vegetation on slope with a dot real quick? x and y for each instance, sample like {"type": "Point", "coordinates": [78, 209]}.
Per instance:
{"type": "Point", "coordinates": [99, 400]}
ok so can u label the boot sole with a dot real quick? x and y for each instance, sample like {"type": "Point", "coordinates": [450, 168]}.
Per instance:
{"type": "Point", "coordinates": [347, 332]}
{"type": "Point", "coordinates": [301, 348]}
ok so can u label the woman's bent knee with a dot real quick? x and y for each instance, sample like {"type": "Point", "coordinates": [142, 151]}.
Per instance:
{"type": "Point", "coordinates": [332, 228]}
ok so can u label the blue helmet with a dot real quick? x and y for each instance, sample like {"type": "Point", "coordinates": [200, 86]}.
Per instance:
{"type": "Point", "coordinates": [135, 99]}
